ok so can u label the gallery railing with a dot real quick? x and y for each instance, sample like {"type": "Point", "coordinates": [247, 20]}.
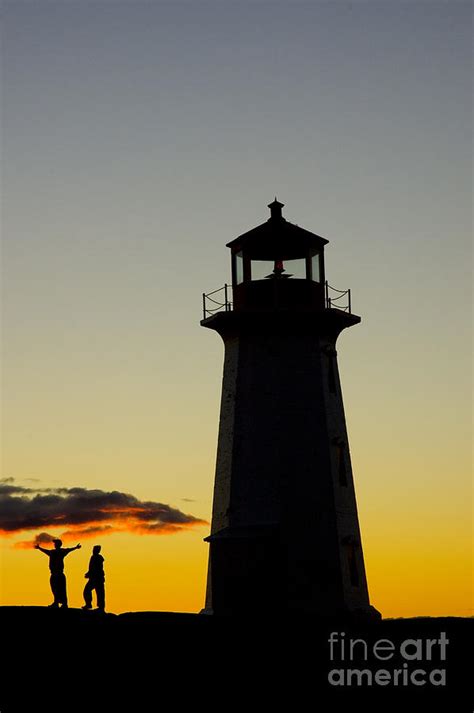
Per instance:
{"type": "Point", "coordinates": [338, 299]}
{"type": "Point", "coordinates": [220, 300]}
{"type": "Point", "coordinates": [217, 301]}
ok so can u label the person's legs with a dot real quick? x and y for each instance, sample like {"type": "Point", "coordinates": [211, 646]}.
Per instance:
{"type": "Point", "coordinates": [100, 594]}
{"type": "Point", "coordinates": [88, 595]}
{"type": "Point", "coordinates": [54, 589]}
{"type": "Point", "coordinates": [62, 594]}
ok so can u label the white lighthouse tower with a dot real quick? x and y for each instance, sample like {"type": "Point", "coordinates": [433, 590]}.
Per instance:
{"type": "Point", "coordinates": [285, 532]}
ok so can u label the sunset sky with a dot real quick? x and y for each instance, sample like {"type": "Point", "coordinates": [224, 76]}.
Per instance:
{"type": "Point", "coordinates": [137, 139]}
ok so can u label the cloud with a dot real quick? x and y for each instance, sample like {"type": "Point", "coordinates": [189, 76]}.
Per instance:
{"type": "Point", "coordinates": [89, 531]}
{"type": "Point", "coordinates": [43, 538]}
{"type": "Point", "coordinates": [7, 487]}
{"type": "Point", "coordinates": [85, 512]}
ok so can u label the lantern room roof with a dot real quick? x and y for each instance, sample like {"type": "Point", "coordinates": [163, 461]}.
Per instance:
{"type": "Point", "coordinates": [277, 238]}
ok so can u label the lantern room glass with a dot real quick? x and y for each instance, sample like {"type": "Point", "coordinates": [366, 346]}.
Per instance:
{"type": "Point", "coordinates": [239, 268]}
{"type": "Point", "coordinates": [316, 267]}
{"type": "Point", "coordinates": [266, 269]}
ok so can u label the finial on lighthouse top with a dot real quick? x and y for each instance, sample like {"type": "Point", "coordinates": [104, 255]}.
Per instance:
{"type": "Point", "coordinates": [275, 209]}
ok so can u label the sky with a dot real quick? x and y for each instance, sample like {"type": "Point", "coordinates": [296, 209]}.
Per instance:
{"type": "Point", "coordinates": [138, 138]}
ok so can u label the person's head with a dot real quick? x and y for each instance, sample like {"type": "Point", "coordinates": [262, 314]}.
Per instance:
{"type": "Point", "coordinates": [96, 549]}
{"type": "Point", "coordinates": [57, 544]}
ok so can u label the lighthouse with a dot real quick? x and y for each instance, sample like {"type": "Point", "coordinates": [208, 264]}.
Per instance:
{"type": "Point", "coordinates": [285, 533]}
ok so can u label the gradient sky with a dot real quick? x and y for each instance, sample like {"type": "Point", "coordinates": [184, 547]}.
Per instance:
{"type": "Point", "coordinates": [137, 139]}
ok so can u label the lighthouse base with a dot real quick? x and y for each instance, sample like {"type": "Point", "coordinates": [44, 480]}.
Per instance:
{"type": "Point", "coordinates": [357, 617]}
{"type": "Point", "coordinates": [253, 572]}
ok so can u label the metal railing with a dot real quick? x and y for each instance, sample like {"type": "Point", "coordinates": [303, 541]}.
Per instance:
{"type": "Point", "coordinates": [341, 301]}
{"type": "Point", "coordinates": [221, 300]}
{"type": "Point", "coordinates": [217, 301]}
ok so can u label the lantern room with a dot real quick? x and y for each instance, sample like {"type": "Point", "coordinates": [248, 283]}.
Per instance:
{"type": "Point", "coordinates": [278, 265]}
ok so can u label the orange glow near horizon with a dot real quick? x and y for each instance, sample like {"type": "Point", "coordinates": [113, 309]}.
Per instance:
{"type": "Point", "coordinates": [161, 575]}
{"type": "Point", "coordinates": [142, 573]}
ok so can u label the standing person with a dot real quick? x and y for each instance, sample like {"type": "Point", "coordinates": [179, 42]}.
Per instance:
{"type": "Point", "coordinates": [96, 577]}
{"type": "Point", "coordinates": [56, 566]}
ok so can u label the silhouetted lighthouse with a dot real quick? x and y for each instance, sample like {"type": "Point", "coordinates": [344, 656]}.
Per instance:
{"type": "Point", "coordinates": [285, 532]}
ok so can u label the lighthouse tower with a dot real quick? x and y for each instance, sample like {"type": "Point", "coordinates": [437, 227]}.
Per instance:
{"type": "Point", "coordinates": [285, 532]}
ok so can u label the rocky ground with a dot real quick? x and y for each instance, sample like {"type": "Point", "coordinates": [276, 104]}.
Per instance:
{"type": "Point", "coordinates": [70, 660]}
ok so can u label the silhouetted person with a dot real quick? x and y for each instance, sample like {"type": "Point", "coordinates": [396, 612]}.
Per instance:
{"type": "Point", "coordinates": [96, 577]}
{"type": "Point", "coordinates": [56, 566]}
